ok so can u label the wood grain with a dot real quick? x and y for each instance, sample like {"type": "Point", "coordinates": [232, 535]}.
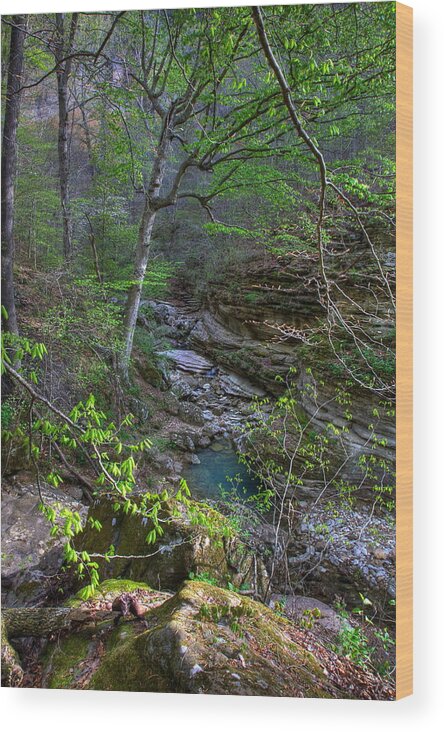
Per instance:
{"type": "Point", "coordinates": [404, 350]}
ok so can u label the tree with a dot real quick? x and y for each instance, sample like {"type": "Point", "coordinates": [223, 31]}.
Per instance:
{"type": "Point", "coordinates": [370, 66]}
{"type": "Point", "coordinates": [205, 112]}
{"type": "Point", "coordinates": [64, 44]}
{"type": "Point", "coordinates": [9, 166]}
{"type": "Point", "coordinates": [54, 38]}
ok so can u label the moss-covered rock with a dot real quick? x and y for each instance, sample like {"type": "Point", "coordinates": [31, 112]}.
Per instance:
{"type": "Point", "coordinates": [65, 663]}
{"type": "Point", "coordinates": [70, 661]}
{"type": "Point", "coordinates": [149, 370]}
{"type": "Point", "coordinates": [204, 639]}
{"type": "Point", "coordinates": [109, 590]}
{"type": "Point", "coordinates": [209, 640]}
{"type": "Point", "coordinates": [184, 548]}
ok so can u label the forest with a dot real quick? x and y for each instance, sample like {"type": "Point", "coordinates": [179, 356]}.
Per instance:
{"type": "Point", "coordinates": [198, 350]}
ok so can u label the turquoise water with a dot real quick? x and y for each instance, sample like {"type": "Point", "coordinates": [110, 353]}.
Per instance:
{"type": "Point", "coordinates": [219, 471]}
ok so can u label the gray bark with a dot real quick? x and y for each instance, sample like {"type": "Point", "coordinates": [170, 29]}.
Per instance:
{"type": "Point", "coordinates": [151, 207]}
{"type": "Point", "coordinates": [64, 48]}
{"type": "Point", "coordinates": [9, 166]}
{"type": "Point", "coordinates": [135, 291]}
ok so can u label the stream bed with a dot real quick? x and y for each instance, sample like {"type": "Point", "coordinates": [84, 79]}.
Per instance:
{"type": "Point", "coordinates": [219, 472]}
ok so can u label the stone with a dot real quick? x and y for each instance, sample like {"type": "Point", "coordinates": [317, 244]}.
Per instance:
{"type": "Point", "coordinates": [218, 446]}
{"type": "Point", "coordinates": [190, 413]}
{"type": "Point", "coordinates": [346, 563]}
{"type": "Point", "coordinates": [195, 642]}
{"type": "Point", "coordinates": [182, 441]}
{"type": "Point", "coordinates": [149, 371]}
{"type": "Point", "coordinates": [299, 607]}
{"type": "Point", "coordinates": [381, 553]}
{"type": "Point", "coordinates": [236, 385]}
{"type": "Point", "coordinates": [184, 548]}
{"type": "Point", "coordinates": [30, 555]}
{"type": "Point", "coordinates": [188, 361]}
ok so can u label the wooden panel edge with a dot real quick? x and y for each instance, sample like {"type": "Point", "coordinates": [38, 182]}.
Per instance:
{"type": "Point", "coordinates": [404, 350]}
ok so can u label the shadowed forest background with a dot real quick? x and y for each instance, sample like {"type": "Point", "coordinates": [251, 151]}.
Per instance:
{"type": "Point", "coordinates": [198, 353]}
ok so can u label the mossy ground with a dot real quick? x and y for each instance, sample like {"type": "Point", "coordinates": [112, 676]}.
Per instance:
{"type": "Point", "coordinates": [203, 639]}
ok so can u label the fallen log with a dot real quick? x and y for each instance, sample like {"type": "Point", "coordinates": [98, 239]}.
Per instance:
{"type": "Point", "coordinates": [12, 671]}
{"type": "Point", "coordinates": [43, 621]}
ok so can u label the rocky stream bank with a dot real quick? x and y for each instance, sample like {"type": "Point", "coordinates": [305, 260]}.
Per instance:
{"type": "Point", "coordinates": [336, 554]}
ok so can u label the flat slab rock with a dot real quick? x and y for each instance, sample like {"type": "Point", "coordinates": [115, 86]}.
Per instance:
{"type": "Point", "coordinates": [189, 361]}
{"type": "Point", "coordinates": [235, 385]}
{"type": "Point", "coordinates": [231, 383]}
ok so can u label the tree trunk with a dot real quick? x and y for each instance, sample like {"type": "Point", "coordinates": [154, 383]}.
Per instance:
{"type": "Point", "coordinates": [9, 166]}
{"type": "Point", "coordinates": [144, 241]}
{"type": "Point", "coordinates": [135, 291]}
{"type": "Point", "coordinates": [63, 152]}
{"type": "Point", "coordinates": [64, 48]}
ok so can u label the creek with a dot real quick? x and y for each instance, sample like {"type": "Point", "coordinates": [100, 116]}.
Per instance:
{"type": "Point", "coordinates": [337, 551]}
{"type": "Point", "coordinates": [220, 473]}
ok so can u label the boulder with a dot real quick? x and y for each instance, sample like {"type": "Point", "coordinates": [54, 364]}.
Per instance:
{"type": "Point", "coordinates": [182, 441]}
{"type": "Point", "coordinates": [149, 371]}
{"type": "Point", "coordinates": [184, 548]}
{"type": "Point", "coordinates": [308, 611]}
{"type": "Point", "coordinates": [191, 413]}
{"type": "Point", "coordinates": [204, 640]}
{"type": "Point", "coordinates": [30, 555]}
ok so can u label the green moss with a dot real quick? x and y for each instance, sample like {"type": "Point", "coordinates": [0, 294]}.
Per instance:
{"type": "Point", "coordinates": [121, 634]}
{"type": "Point", "coordinates": [27, 590]}
{"type": "Point", "coordinates": [111, 587]}
{"type": "Point", "coordinates": [125, 667]}
{"type": "Point", "coordinates": [63, 661]}
{"type": "Point", "coordinates": [122, 585]}
{"type": "Point", "coordinates": [72, 661]}
{"type": "Point", "coordinates": [246, 616]}
{"type": "Point", "coordinates": [193, 541]}
{"type": "Point", "coordinates": [193, 642]}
